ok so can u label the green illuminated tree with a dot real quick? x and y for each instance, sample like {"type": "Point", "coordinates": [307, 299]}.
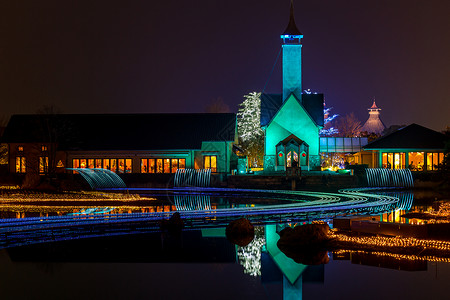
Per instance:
{"type": "Point", "coordinates": [251, 136]}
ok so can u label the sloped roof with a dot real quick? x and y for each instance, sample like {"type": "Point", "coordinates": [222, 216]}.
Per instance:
{"type": "Point", "coordinates": [271, 103]}
{"type": "Point", "coordinates": [410, 137]}
{"type": "Point", "coordinates": [122, 131]}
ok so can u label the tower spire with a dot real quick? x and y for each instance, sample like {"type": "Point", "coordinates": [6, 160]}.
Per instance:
{"type": "Point", "coordinates": [373, 123]}
{"type": "Point", "coordinates": [292, 29]}
{"type": "Point", "coordinates": [292, 58]}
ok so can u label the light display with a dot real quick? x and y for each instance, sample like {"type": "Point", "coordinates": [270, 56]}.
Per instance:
{"type": "Point", "coordinates": [250, 256]}
{"type": "Point", "coordinates": [327, 129]}
{"type": "Point", "coordinates": [397, 247]}
{"type": "Point", "coordinates": [249, 129]}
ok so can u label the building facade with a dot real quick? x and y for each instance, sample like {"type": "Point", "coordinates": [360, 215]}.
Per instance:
{"type": "Point", "coordinates": [292, 120]}
{"type": "Point", "coordinates": [122, 143]}
{"type": "Point", "coordinates": [413, 147]}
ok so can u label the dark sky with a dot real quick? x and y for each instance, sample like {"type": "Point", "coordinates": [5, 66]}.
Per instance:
{"type": "Point", "coordinates": [177, 56]}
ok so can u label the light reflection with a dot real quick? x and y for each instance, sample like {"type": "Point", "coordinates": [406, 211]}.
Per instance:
{"type": "Point", "coordinates": [250, 256]}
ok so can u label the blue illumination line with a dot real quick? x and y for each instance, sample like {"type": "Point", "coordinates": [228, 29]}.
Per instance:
{"type": "Point", "coordinates": [270, 74]}
{"type": "Point", "coordinates": [307, 205]}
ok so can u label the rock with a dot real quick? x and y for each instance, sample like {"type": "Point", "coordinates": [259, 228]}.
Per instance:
{"type": "Point", "coordinates": [240, 232]}
{"type": "Point", "coordinates": [306, 244]}
{"type": "Point", "coordinates": [174, 225]}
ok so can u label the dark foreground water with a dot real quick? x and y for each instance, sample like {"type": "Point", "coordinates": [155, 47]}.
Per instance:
{"type": "Point", "coordinates": [202, 264]}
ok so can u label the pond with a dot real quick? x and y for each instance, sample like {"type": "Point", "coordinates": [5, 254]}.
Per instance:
{"type": "Point", "coordinates": [202, 263]}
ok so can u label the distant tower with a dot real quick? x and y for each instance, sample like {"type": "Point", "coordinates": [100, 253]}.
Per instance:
{"type": "Point", "coordinates": [292, 59]}
{"type": "Point", "coordinates": [374, 123]}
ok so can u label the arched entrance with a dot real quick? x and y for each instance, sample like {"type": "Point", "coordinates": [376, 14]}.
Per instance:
{"type": "Point", "coordinates": [292, 151]}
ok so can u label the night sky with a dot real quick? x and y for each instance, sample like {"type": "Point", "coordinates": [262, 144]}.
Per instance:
{"type": "Point", "coordinates": [178, 56]}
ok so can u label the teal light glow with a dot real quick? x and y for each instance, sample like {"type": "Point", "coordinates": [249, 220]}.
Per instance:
{"type": "Point", "coordinates": [287, 36]}
{"type": "Point", "coordinates": [292, 70]}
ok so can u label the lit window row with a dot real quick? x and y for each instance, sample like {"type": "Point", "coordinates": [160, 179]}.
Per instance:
{"type": "Point", "coordinates": [162, 165]}
{"type": "Point", "coordinates": [416, 160]}
{"type": "Point", "coordinates": [119, 165]}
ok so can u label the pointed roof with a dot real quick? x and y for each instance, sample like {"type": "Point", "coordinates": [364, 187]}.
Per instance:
{"type": "Point", "coordinates": [290, 138]}
{"type": "Point", "coordinates": [292, 29]}
{"type": "Point", "coordinates": [374, 106]}
{"type": "Point", "coordinates": [271, 104]}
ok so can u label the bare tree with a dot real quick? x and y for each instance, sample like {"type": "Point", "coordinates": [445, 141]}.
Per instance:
{"type": "Point", "coordinates": [217, 106]}
{"type": "Point", "coordinates": [348, 126]}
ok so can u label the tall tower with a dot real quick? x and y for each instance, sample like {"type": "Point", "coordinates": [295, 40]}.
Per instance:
{"type": "Point", "coordinates": [374, 123]}
{"type": "Point", "coordinates": [292, 58]}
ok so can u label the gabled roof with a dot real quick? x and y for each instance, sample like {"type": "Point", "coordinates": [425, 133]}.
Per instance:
{"type": "Point", "coordinates": [290, 138]}
{"type": "Point", "coordinates": [410, 137]}
{"type": "Point", "coordinates": [122, 131]}
{"type": "Point", "coordinates": [271, 104]}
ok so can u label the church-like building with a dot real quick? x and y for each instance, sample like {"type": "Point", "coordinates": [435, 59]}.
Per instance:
{"type": "Point", "coordinates": [291, 120]}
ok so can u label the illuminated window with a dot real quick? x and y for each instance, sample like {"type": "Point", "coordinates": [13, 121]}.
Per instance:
{"type": "Point", "coordinates": [210, 162]}
{"type": "Point", "coordinates": [159, 165]}
{"type": "Point", "coordinates": [151, 166]}
{"type": "Point", "coordinates": [291, 156]}
{"type": "Point", "coordinates": [75, 163]}
{"type": "Point", "coordinates": [20, 148]}
{"type": "Point", "coordinates": [182, 163]}
{"type": "Point", "coordinates": [128, 165]}
{"type": "Point", "coordinates": [83, 163]}
{"type": "Point", "coordinates": [20, 164]}
{"type": "Point", "coordinates": [167, 165]}
{"type": "Point", "coordinates": [43, 164]}
{"type": "Point", "coordinates": [91, 163]}
{"type": "Point", "coordinates": [121, 163]}
{"type": "Point", "coordinates": [174, 166]}
{"type": "Point", "coordinates": [44, 148]}
{"type": "Point", "coordinates": [399, 161]}
{"type": "Point", "coordinates": [144, 165]}
{"type": "Point", "coordinates": [434, 160]}
{"type": "Point", "coordinates": [113, 164]}
{"type": "Point", "coordinates": [393, 160]}
{"type": "Point", "coordinates": [106, 164]}
{"type": "Point", "coordinates": [98, 163]}
{"type": "Point", "coordinates": [416, 161]}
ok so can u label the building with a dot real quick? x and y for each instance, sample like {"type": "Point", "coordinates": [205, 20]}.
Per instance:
{"type": "Point", "coordinates": [373, 123]}
{"type": "Point", "coordinates": [123, 143]}
{"type": "Point", "coordinates": [414, 147]}
{"type": "Point", "coordinates": [291, 120]}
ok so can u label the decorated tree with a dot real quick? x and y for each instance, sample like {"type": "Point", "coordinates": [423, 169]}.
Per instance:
{"type": "Point", "coordinates": [328, 129]}
{"type": "Point", "coordinates": [251, 136]}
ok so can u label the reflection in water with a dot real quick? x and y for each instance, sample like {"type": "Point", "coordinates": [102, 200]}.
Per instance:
{"type": "Point", "coordinates": [250, 256]}
{"type": "Point", "coordinates": [392, 213]}
{"type": "Point", "coordinates": [192, 202]}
